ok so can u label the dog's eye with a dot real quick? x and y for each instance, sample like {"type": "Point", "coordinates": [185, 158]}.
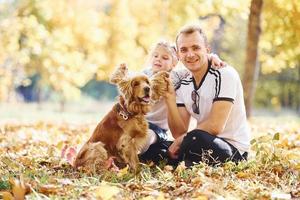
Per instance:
{"type": "Point", "coordinates": [135, 83]}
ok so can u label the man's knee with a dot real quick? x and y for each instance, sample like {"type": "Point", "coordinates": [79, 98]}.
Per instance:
{"type": "Point", "coordinates": [194, 141]}
{"type": "Point", "coordinates": [197, 138]}
{"type": "Point", "coordinates": [199, 145]}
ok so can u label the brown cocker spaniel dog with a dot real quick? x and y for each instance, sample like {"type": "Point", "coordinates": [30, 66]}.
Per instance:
{"type": "Point", "coordinates": [123, 131]}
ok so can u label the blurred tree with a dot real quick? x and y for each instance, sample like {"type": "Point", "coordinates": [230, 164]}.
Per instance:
{"type": "Point", "coordinates": [281, 35]}
{"type": "Point", "coordinates": [122, 30]}
{"type": "Point", "coordinates": [68, 42]}
{"type": "Point", "coordinates": [60, 40]}
{"type": "Point", "coordinates": [279, 50]}
{"type": "Point", "coordinates": [251, 65]}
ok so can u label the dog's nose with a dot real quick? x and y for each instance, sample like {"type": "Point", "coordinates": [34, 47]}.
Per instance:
{"type": "Point", "coordinates": [147, 89]}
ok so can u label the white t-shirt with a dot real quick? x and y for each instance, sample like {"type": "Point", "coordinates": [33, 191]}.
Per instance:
{"type": "Point", "coordinates": [217, 85]}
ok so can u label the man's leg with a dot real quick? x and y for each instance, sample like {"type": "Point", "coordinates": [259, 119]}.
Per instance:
{"type": "Point", "coordinates": [199, 145]}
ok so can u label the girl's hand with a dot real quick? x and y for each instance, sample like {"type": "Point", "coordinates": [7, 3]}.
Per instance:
{"type": "Point", "coordinates": [216, 62]}
{"type": "Point", "coordinates": [175, 146]}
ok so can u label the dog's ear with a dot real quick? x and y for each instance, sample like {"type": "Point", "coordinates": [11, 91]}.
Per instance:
{"type": "Point", "coordinates": [119, 74]}
{"type": "Point", "coordinates": [159, 85]}
{"type": "Point", "coordinates": [125, 88]}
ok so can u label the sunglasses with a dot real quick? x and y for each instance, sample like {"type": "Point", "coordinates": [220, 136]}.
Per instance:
{"type": "Point", "coordinates": [195, 97]}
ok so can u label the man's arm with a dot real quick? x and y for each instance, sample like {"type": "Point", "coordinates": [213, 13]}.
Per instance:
{"type": "Point", "coordinates": [216, 121]}
{"type": "Point", "coordinates": [178, 120]}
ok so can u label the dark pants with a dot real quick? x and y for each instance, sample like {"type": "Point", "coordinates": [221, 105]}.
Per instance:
{"type": "Point", "coordinates": [196, 146]}
{"type": "Point", "coordinates": [158, 151]}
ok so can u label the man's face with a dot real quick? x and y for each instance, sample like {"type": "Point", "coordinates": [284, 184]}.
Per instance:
{"type": "Point", "coordinates": [192, 51]}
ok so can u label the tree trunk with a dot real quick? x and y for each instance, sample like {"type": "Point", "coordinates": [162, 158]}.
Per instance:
{"type": "Point", "coordinates": [217, 38]}
{"type": "Point", "coordinates": [251, 64]}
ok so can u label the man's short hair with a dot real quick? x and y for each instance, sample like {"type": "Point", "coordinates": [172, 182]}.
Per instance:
{"type": "Point", "coordinates": [189, 29]}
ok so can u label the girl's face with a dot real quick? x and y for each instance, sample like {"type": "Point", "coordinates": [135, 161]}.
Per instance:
{"type": "Point", "coordinates": [161, 60]}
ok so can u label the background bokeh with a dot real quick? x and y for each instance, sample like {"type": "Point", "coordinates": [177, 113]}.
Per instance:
{"type": "Point", "coordinates": [60, 53]}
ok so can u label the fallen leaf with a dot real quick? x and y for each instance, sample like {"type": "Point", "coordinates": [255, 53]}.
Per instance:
{"type": "Point", "coordinates": [196, 181]}
{"type": "Point", "coordinates": [277, 195]}
{"type": "Point", "coordinates": [106, 191]}
{"type": "Point", "coordinates": [49, 189]}
{"type": "Point", "coordinates": [6, 196]}
{"type": "Point", "coordinates": [180, 168]}
{"type": "Point", "coordinates": [201, 197]}
{"type": "Point", "coordinates": [168, 168]}
{"type": "Point", "coordinates": [243, 175]}
{"type": "Point", "coordinates": [123, 171]}
{"type": "Point", "coordinates": [18, 188]}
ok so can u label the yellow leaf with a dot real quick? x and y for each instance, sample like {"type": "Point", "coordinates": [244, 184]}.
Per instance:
{"type": "Point", "coordinates": [60, 145]}
{"type": "Point", "coordinates": [201, 197]}
{"type": "Point", "coordinates": [123, 171]}
{"type": "Point", "coordinates": [161, 196]}
{"type": "Point", "coordinates": [180, 168]}
{"type": "Point", "coordinates": [6, 196]}
{"type": "Point", "coordinates": [196, 181]}
{"type": "Point", "coordinates": [106, 192]}
{"type": "Point", "coordinates": [18, 188]}
{"type": "Point", "coordinates": [297, 167]}
{"type": "Point", "coordinates": [49, 189]}
{"type": "Point", "coordinates": [243, 175]}
{"type": "Point", "coordinates": [168, 168]}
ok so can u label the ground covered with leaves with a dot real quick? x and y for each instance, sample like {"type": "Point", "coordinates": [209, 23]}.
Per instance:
{"type": "Point", "coordinates": [31, 165]}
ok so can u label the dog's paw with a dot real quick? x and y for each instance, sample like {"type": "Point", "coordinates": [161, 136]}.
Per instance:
{"type": "Point", "coordinates": [119, 74]}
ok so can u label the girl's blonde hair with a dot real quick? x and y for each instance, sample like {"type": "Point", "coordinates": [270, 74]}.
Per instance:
{"type": "Point", "coordinates": [169, 47]}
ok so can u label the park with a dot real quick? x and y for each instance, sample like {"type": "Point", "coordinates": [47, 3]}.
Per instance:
{"type": "Point", "coordinates": [56, 61]}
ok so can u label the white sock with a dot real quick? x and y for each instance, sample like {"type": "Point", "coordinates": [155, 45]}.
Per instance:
{"type": "Point", "coordinates": [151, 139]}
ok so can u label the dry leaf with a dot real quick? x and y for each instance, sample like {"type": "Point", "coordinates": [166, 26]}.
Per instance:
{"type": "Point", "coordinates": [276, 195]}
{"type": "Point", "coordinates": [6, 196]}
{"type": "Point", "coordinates": [196, 181]}
{"type": "Point", "coordinates": [180, 168]}
{"type": "Point", "coordinates": [123, 171]}
{"type": "Point", "coordinates": [49, 189]}
{"type": "Point", "coordinates": [168, 168]}
{"type": "Point", "coordinates": [18, 188]}
{"type": "Point", "coordinates": [201, 197]}
{"type": "Point", "coordinates": [106, 191]}
{"type": "Point", "coordinates": [244, 175]}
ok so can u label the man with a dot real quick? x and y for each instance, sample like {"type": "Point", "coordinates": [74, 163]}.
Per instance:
{"type": "Point", "coordinates": [214, 98]}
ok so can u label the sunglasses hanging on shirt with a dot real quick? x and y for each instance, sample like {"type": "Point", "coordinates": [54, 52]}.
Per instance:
{"type": "Point", "coordinates": [195, 97]}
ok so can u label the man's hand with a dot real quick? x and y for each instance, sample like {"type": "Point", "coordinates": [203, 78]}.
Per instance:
{"type": "Point", "coordinates": [175, 146]}
{"type": "Point", "coordinates": [216, 62]}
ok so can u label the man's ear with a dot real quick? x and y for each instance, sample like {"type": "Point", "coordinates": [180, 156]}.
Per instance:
{"type": "Point", "coordinates": [125, 88]}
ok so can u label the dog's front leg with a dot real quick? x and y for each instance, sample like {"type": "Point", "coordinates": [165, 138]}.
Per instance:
{"type": "Point", "coordinates": [128, 151]}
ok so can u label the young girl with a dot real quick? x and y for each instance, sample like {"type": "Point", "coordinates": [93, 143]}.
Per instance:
{"type": "Point", "coordinates": [162, 58]}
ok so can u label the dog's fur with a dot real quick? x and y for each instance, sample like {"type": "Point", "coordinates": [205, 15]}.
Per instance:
{"type": "Point", "coordinates": [122, 132]}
